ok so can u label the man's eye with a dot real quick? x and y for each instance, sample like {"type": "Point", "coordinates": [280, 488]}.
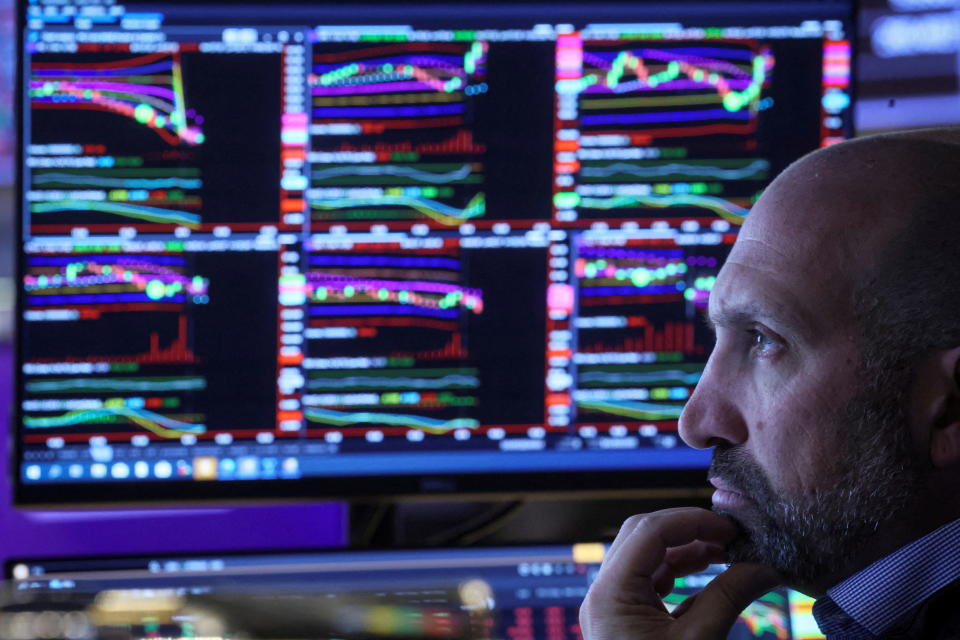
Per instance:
{"type": "Point", "coordinates": [762, 343]}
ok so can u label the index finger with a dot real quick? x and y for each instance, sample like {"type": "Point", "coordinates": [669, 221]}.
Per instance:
{"type": "Point", "coordinates": [642, 550]}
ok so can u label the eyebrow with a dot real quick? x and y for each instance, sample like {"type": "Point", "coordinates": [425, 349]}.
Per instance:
{"type": "Point", "coordinates": [741, 316]}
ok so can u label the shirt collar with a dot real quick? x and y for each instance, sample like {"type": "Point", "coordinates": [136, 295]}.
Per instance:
{"type": "Point", "coordinates": [877, 596]}
{"type": "Point", "coordinates": [836, 624]}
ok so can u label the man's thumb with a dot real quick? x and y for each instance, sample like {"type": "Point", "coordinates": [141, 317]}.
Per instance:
{"type": "Point", "coordinates": [715, 609]}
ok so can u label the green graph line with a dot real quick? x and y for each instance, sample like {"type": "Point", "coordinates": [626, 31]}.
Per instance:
{"type": "Point", "coordinates": [636, 410]}
{"type": "Point", "coordinates": [161, 425]}
{"type": "Point", "coordinates": [437, 210]}
{"type": "Point", "coordinates": [74, 385]}
{"type": "Point", "coordinates": [444, 173]}
{"type": "Point", "coordinates": [378, 382]}
{"type": "Point", "coordinates": [719, 169]}
{"type": "Point", "coordinates": [724, 208]}
{"type": "Point", "coordinates": [123, 183]}
{"type": "Point", "coordinates": [150, 214]}
{"type": "Point", "coordinates": [648, 377]}
{"type": "Point", "coordinates": [432, 425]}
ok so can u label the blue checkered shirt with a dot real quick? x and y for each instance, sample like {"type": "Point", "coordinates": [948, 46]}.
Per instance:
{"type": "Point", "coordinates": [870, 602]}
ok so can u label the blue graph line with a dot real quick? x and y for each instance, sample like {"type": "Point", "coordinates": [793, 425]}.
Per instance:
{"type": "Point", "coordinates": [383, 309]}
{"type": "Point", "coordinates": [392, 170]}
{"type": "Point", "coordinates": [672, 116]}
{"type": "Point", "coordinates": [389, 112]}
{"type": "Point", "coordinates": [128, 183]}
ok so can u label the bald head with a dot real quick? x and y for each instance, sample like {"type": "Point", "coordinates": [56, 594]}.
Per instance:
{"type": "Point", "coordinates": [832, 396]}
{"type": "Point", "coordinates": [859, 194]}
{"type": "Point", "coordinates": [872, 223]}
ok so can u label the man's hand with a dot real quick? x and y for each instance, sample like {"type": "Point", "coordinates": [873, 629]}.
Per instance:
{"type": "Point", "coordinates": [652, 550]}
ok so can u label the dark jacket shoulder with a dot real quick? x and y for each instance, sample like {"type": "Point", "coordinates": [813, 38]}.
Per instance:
{"type": "Point", "coordinates": [938, 618]}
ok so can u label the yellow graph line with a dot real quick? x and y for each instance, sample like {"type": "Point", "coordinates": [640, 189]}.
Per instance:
{"type": "Point", "coordinates": [153, 427]}
{"type": "Point", "coordinates": [181, 122]}
{"type": "Point", "coordinates": [669, 412]}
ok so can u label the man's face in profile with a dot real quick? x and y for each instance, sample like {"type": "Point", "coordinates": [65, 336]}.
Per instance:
{"type": "Point", "coordinates": [809, 535]}
{"type": "Point", "coordinates": [812, 441]}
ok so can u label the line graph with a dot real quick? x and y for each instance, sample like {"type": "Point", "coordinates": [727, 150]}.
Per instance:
{"type": "Point", "coordinates": [81, 309]}
{"type": "Point", "coordinates": [95, 284]}
{"type": "Point", "coordinates": [161, 425]}
{"type": "Point", "coordinates": [628, 95]}
{"type": "Point", "coordinates": [139, 212]}
{"type": "Point", "coordinates": [377, 113]}
{"type": "Point", "coordinates": [430, 208]}
{"type": "Point", "coordinates": [425, 294]}
{"type": "Point", "coordinates": [434, 173]}
{"type": "Point", "coordinates": [729, 75]}
{"type": "Point", "coordinates": [633, 410]}
{"type": "Point", "coordinates": [459, 378]}
{"type": "Point", "coordinates": [640, 348]}
{"type": "Point", "coordinates": [162, 195]}
{"type": "Point", "coordinates": [733, 210]}
{"type": "Point", "coordinates": [735, 169]}
{"type": "Point", "coordinates": [386, 285]}
{"type": "Point", "coordinates": [183, 178]}
{"type": "Point", "coordinates": [106, 384]}
{"type": "Point", "coordinates": [132, 142]}
{"type": "Point", "coordinates": [365, 418]}
{"type": "Point", "coordinates": [147, 89]}
{"type": "Point", "coordinates": [404, 313]}
{"type": "Point", "coordinates": [688, 375]}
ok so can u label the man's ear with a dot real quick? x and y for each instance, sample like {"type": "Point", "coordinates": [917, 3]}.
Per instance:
{"type": "Point", "coordinates": [945, 430]}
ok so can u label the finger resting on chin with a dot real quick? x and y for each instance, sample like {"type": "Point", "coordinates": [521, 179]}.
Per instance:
{"type": "Point", "coordinates": [644, 541]}
{"type": "Point", "coordinates": [684, 560]}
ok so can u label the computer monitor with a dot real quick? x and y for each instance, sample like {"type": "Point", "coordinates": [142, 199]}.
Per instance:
{"type": "Point", "coordinates": [533, 592]}
{"type": "Point", "coordinates": [353, 249]}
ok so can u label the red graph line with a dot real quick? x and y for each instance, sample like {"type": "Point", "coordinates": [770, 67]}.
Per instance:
{"type": "Point", "coordinates": [115, 64]}
{"type": "Point", "coordinates": [685, 132]}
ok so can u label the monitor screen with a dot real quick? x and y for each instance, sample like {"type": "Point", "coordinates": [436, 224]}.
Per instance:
{"type": "Point", "coordinates": [534, 592]}
{"type": "Point", "coordinates": [353, 249]}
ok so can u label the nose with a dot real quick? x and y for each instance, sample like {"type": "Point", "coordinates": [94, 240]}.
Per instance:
{"type": "Point", "coordinates": [712, 415]}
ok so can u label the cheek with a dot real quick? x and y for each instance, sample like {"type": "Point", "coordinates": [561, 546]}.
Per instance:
{"type": "Point", "coordinates": [793, 426]}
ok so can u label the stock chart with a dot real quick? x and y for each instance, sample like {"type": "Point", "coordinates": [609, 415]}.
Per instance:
{"type": "Point", "coordinates": [255, 251]}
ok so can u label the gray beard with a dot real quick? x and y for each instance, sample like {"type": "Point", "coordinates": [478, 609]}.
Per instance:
{"type": "Point", "coordinates": [875, 479]}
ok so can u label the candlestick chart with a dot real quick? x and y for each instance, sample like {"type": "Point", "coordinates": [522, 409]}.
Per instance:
{"type": "Point", "coordinates": [699, 103]}
{"type": "Point", "coordinates": [392, 133]}
{"type": "Point", "coordinates": [120, 142]}
{"type": "Point", "coordinates": [640, 347]}
{"type": "Point", "coordinates": [386, 346]}
{"type": "Point", "coordinates": [79, 310]}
